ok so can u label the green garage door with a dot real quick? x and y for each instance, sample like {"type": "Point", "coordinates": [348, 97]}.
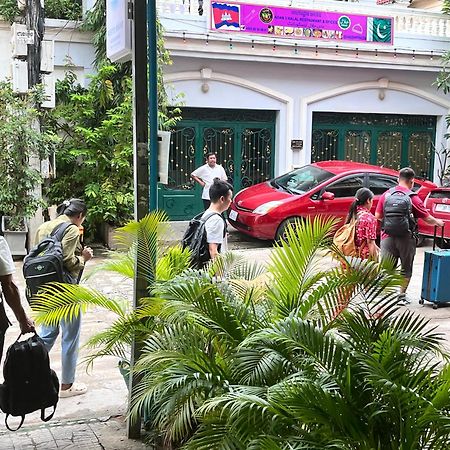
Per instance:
{"type": "Point", "coordinates": [382, 139]}
{"type": "Point", "coordinates": [243, 142]}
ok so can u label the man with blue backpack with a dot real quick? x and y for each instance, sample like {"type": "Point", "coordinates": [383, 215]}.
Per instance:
{"type": "Point", "coordinates": [398, 209]}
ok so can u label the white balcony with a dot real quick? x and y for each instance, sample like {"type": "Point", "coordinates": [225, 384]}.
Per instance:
{"type": "Point", "coordinates": [416, 31]}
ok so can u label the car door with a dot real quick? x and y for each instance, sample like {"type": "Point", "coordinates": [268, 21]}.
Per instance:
{"type": "Point", "coordinates": [344, 190]}
{"type": "Point", "coordinates": [379, 184]}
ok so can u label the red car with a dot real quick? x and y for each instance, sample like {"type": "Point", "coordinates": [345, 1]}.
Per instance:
{"type": "Point", "coordinates": [438, 203]}
{"type": "Point", "coordinates": [327, 188]}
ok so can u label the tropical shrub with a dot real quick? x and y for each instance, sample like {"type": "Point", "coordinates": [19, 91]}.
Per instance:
{"type": "Point", "coordinates": [54, 9]}
{"type": "Point", "coordinates": [305, 354]}
{"type": "Point", "coordinates": [23, 145]}
{"type": "Point", "coordinates": [95, 156]}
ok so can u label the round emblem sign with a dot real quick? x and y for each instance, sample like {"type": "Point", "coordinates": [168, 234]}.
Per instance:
{"type": "Point", "coordinates": [266, 15]}
{"type": "Point", "coordinates": [344, 23]}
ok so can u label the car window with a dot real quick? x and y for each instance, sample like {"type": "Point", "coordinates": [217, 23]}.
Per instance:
{"type": "Point", "coordinates": [379, 184]}
{"type": "Point", "coordinates": [347, 186]}
{"type": "Point", "coordinates": [302, 180]}
{"type": "Point", "coordinates": [416, 187]}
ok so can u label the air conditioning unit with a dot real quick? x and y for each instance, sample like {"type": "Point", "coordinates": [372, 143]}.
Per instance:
{"type": "Point", "coordinates": [19, 76]}
{"type": "Point", "coordinates": [47, 56]}
{"type": "Point", "coordinates": [48, 81]}
{"type": "Point", "coordinates": [163, 156]}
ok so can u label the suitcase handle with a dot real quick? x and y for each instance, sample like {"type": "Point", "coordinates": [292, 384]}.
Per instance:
{"type": "Point", "coordinates": [434, 236]}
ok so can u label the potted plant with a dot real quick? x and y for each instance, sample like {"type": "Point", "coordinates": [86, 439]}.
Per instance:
{"type": "Point", "coordinates": [22, 146]}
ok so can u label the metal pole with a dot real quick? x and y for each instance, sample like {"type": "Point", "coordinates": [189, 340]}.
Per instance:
{"type": "Point", "coordinates": [153, 103]}
{"type": "Point", "coordinates": [141, 176]}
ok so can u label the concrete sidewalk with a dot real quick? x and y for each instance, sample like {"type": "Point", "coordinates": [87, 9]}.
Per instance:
{"type": "Point", "coordinates": [96, 420]}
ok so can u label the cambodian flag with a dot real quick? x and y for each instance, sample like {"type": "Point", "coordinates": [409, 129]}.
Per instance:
{"type": "Point", "coordinates": [225, 15]}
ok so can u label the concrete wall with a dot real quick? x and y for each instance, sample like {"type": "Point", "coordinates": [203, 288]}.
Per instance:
{"type": "Point", "coordinates": [296, 91]}
{"type": "Point", "coordinates": [71, 47]}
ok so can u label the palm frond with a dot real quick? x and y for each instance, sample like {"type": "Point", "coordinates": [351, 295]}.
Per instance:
{"type": "Point", "coordinates": [117, 262]}
{"type": "Point", "coordinates": [117, 339]}
{"type": "Point", "coordinates": [59, 301]}
{"type": "Point", "coordinates": [297, 264]}
{"type": "Point", "coordinates": [234, 266]}
{"type": "Point", "coordinates": [141, 239]}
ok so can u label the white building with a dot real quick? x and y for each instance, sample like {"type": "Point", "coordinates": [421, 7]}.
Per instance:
{"type": "Point", "coordinates": [72, 47]}
{"type": "Point", "coordinates": [266, 103]}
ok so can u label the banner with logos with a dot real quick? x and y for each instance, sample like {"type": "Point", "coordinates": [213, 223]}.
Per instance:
{"type": "Point", "coordinates": [281, 22]}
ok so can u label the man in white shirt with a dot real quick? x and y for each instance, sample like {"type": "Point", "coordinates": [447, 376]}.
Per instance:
{"type": "Point", "coordinates": [205, 175]}
{"type": "Point", "coordinates": [11, 295]}
{"type": "Point", "coordinates": [221, 194]}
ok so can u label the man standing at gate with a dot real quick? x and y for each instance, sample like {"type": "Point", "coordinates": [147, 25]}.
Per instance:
{"type": "Point", "coordinates": [205, 175]}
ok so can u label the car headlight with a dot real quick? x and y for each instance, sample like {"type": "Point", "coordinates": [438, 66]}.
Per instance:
{"type": "Point", "coordinates": [266, 207]}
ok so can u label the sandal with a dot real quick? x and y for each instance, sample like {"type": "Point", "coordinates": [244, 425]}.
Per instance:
{"type": "Point", "coordinates": [75, 389]}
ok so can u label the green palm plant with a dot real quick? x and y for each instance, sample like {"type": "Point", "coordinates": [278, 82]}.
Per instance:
{"type": "Point", "coordinates": [305, 354]}
{"type": "Point", "coordinates": [156, 262]}
{"type": "Point", "coordinates": [282, 369]}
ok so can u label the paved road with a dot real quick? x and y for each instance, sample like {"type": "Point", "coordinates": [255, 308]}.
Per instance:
{"type": "Point", "coordinates": [95, 420]}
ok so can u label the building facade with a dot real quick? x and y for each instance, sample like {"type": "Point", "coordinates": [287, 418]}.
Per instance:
{"type": "Point", "coordinates": [269, 101]}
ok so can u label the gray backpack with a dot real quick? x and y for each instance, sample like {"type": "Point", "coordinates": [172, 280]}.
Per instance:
{"type": "Point", "coordinates": [398, 217]}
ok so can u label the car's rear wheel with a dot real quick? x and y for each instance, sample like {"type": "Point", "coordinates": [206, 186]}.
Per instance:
{"type": "Point", "coordinates": [281, 231]}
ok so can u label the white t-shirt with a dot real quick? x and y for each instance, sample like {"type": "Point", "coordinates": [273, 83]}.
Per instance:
{"type": "Point", "coordinates": [6, 262]}
{"type": "Point", "coordinates": [214, 227]}
{"type": "Point", "coordinates": [207, 174]}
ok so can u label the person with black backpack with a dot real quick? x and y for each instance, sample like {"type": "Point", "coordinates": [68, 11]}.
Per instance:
{"type": "Point", "coordinates": [206, 235]}
{"type": "Point", "coordinates": [398, 210]}
{"type": "Point", "coordinates": [11, 295]}
{"type": "Point", "coordinates": [74, 257]}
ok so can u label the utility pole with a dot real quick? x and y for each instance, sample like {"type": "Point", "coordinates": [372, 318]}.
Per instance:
{"type": "Point", "coordinates": [141, 172]}
{"type": "Point", "coordinates": [34, 20]}
{"type": "Point", "coordinates": [145, 146]}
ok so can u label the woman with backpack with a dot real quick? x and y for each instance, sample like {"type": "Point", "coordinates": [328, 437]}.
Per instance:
{"type": "Point", "coordinates": [365, 234]}
{"type": "Point", "coordinates": [74, 257]}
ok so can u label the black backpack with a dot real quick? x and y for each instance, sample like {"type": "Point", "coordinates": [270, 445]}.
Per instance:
{"type": "Point", "coordinates": [196, 240]}
{"type": "Point", "coordinates": [44, 264]}
{"type": "Point", "coordinates": [398, 218]}
{"type": "Point", "coordinates": [30, 384]}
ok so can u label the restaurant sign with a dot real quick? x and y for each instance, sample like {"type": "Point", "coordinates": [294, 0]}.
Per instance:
{"type": "Point", "coordinates": [296, 23]}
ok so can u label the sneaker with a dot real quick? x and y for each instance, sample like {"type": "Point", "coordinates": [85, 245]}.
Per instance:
{"type": "Point", "coordinates": [75, 389]}
{"type": "Point", "coordinates": [403, 300]}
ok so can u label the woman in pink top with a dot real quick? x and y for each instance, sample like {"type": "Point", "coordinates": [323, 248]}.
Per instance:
{"type": "Point", "coordinates": [365, 235]}
{"type": "Point", "coordinates": [366, 224]}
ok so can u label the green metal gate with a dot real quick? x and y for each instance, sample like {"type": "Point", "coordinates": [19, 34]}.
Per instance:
{"type": "Point", "coordinates": [382, 139]}
{"type": "Point", "coordinates": [243, 142]}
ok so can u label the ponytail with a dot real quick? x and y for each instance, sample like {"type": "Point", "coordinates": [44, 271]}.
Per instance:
{"type": "Point", "coordinates": [72, 207]}
{"type": "Point", "coordinates": [361, 197]}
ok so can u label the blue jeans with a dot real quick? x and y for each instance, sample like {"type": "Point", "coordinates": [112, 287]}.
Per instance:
{"type": "Point", "coordinates": [69, 345]}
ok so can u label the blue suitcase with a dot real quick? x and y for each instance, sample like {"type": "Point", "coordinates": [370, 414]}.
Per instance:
{"type": "Point", "coordinates": [436, 273]}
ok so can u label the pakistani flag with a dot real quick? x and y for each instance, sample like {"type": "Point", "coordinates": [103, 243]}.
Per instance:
{"type": "Point", "coordinates": [379, 29]}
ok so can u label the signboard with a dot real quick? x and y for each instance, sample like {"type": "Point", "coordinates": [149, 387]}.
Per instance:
{"type": "Point", "coordinates": [280, 22]}
{"type": "Point", "coordinates": [118, 31]}
{"type": "Point", "coordinates": [296, 144]}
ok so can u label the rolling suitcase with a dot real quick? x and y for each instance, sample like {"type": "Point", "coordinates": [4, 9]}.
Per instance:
{"type": "Point", "coordinates": [436, 270]}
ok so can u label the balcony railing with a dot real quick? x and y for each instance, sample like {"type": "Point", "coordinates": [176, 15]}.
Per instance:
{"type": "Point", "coordinates": [407, 21]}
